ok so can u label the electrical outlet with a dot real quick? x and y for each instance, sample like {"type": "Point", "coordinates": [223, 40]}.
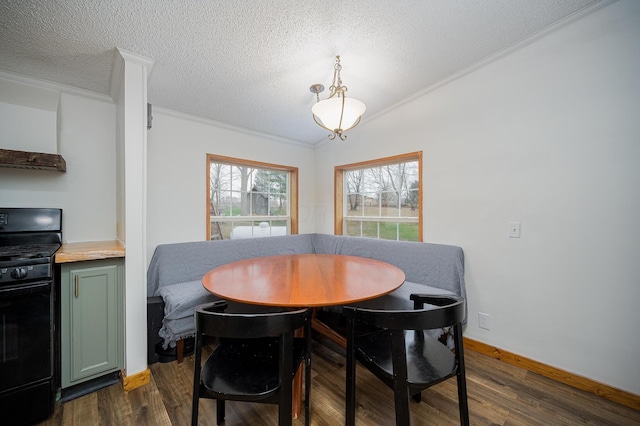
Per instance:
{"type": "Point", "coordinates": [484, 321]}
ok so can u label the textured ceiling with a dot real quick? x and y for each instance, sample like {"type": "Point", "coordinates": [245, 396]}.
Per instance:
{"type": "Point", "coordinates": [249, 63]}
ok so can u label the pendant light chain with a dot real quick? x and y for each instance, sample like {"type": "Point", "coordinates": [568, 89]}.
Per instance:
{"type": "Point", "coordinates": [337, 89]}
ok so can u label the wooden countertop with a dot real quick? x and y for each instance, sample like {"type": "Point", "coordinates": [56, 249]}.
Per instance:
{"type": "Point", "coordinates": [92, 250]}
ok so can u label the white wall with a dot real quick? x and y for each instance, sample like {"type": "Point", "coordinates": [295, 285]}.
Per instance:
{"type": "Point", "coordinates": [177, 173]}
{"type": "Point", "coordinates": [28, 117]}
{"type": "Point", "coordinates": [17, 130]}
{"type": "Point", "coordinates": [86, 192]}
{"type": "Point", "coordinates": [548, 136]}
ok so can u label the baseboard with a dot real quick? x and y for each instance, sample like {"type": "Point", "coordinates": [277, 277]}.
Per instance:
{"type": "Point", "coordinates": [85, 388]}
{"type": "Point", "coordinates": [136, 380]}
{"type": "Point", "coordinates": [613, 394]}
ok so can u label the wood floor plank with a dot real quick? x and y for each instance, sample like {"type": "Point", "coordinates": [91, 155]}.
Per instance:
{"type": "Point", "coordinates": [147, 406]}
{"type": "Point", "coordinates": [82, 411]}
{"type": "Point", "coordinates": [110, 397]}
{"type": "Point", "coordinates": [578, 404]}
{"type": "Point", "coordinates": [174, 382]}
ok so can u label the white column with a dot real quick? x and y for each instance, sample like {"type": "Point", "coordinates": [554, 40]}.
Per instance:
{"type": "Point", "coordinates": [129, 90]}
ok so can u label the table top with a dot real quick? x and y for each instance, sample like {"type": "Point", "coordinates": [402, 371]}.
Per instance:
{"type": "Point", "coordinates": [303, 280]}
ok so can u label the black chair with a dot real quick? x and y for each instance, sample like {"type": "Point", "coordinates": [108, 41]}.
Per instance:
{"type": "Point", "coordinates": [255, 359]}
{"type": "Point", "coordinates": [403, 355]}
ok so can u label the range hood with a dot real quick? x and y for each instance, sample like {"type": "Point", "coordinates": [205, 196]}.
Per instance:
{"type": "Point", "coordinates": [32, 160]}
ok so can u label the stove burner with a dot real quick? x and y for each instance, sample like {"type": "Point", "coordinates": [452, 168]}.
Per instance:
{"type": "Point", "coordinates": [26, 252]}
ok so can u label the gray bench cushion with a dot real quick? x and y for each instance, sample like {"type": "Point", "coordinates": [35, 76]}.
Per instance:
{"type": "Point", "coordinates": [180, 301]}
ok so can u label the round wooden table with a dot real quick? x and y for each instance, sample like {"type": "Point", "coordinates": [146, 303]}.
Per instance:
{"type": "Point", "coordinates": [303, 280]}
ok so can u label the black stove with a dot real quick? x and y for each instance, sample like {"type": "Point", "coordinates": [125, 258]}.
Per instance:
{"type": "Point", "coordinates": [29, 239]}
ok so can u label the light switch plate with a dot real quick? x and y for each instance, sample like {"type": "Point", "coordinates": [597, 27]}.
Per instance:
{"type": "Point", "coordinates": [514, 229]}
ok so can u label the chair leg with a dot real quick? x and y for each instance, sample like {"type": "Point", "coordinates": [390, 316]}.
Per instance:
{"type": "Point", "coordinates": [219, 411]}
{"type": "Point", "coordinates": [350, 397]}
{"type": "Point", "coordinates": [463, 404]}
{"type": "Point", "coordinates": [462, 401]}
{"type": "Point", "coordinates": [196, 381]}
{"type": "Point", "coordinates": [400, 389]}
{"type": "Point", "coordinates": [284, 413]}
{"type": "Point", "coordinates": [307, 374]}
{"type": "Point", "coordinates": [180, 350]}
{"type": "Point", "coordinates": [285, 364]}
{"type": "Point", "coordinates": [194, 411]}
{"type": "Point", "coordinates": [417, 397]}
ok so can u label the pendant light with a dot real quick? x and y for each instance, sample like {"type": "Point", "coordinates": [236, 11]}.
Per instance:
{"type": "Point", "coordinates": [337, 113]}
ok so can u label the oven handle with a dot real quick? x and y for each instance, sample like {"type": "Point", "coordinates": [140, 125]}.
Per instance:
{"type": "Point", "coordinates": [25, 289]}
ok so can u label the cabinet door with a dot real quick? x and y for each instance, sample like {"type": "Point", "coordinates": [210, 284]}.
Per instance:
{"type": "Point", "coordinates": [93, 311]}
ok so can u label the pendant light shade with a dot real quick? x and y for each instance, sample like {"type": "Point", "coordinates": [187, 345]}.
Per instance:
{"type": "Point", "coordinates": [339, 113]}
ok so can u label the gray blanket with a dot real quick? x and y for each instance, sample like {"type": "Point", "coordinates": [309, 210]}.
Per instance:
{"type": "Point", "coordinates": [176, 270]}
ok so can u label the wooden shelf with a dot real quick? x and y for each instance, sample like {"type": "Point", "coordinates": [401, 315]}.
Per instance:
{"type": "Point", "coordinates": [32, 160]}
{"type": "Point", "coordinates": [92, 250]}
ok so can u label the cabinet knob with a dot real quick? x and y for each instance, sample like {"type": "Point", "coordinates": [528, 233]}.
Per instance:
{"type": "Point", "coordinates": [76, 286]}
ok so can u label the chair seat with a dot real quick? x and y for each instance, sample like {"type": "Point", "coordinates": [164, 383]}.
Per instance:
{"type": "Point", "coordinates": [428, 361]}
{"type": "Point", "coordinates": [250, 370]}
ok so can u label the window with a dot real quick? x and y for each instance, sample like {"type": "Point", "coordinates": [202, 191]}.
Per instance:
{"type": "Point", "coordinates": [380, 198]}
{"type": "Point", "coordinates": [248, 199]}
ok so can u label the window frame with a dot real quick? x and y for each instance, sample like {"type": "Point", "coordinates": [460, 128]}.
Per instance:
{"type": "Point", "coordinates": [293, 186]}
{"type": "Point", "coordinates": [339, 173]}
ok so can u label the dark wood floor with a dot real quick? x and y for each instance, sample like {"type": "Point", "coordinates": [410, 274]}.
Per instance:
{"type": "Point", "coordinates": [499, 394]}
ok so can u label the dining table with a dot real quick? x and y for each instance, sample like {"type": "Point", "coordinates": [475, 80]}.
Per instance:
{"type": "Point", "coordinates": [304, 280]}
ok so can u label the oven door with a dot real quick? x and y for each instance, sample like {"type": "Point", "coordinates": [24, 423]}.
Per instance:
{"type": "Point", "coordinates": [26, 334]}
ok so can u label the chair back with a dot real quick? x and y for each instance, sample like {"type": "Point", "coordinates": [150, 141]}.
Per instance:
{"type": "Point", "coordinates": [211, 320]}
{"type": "Point", "coordinates": [449, 310]}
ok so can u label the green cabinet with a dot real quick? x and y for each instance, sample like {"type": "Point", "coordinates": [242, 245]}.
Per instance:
{"type": "Point", "coordinates": [92, 319]}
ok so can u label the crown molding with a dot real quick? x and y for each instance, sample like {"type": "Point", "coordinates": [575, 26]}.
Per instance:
{"type": "Point", "coordinates": [20, 78]}
{"type": "Point", "coordinates": [226, 126]}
